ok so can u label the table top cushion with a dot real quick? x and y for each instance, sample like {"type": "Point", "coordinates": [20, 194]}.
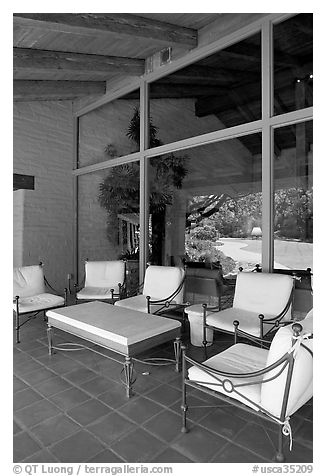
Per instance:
{"type": "Point", "coordinates": [117, 324]}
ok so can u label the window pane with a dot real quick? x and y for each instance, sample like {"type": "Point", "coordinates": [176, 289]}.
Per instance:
{"type": "Point", "coordinates": [205, 205]}
{"type": "Point", "coordinates": [293, 64]}
{"type": "Point", "coordinates": [217, 92]}
{"type": "Point", "coordinates": [293, 210]}
{"type": "Point", "coordinates": [108, 217]}
{"type": "Point", "coordinates": [109, 131]}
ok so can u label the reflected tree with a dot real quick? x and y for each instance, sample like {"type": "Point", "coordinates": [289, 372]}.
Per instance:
{"type": "Point", "coordinates": [119, 192]}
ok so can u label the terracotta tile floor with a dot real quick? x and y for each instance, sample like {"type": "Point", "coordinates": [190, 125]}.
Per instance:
{"type": "Point", "coordinates": [72, 407]}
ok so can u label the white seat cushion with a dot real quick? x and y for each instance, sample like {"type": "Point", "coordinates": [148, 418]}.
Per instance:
{"type": "Point", "coordinates": [249, 321]}
{"type": "Point", "coordinates": [39, 302]}
{"type": "Point", "coordinates": [162, 281]}
{"type": "Point", "coordinates": [139, 303]}
{"type": "Point", "coordinates": [96, 293]}
{"type": "Point", "coordinates": [302, 379]}
{"type": "Point", "coordinates": [240, 358]}
{"type": "Point", "coordinates": [263, 293]}
{"type": "Point", "coordinates": [104, 274]}
{"type": "Point", "coordinates": [256, 293]}
{"type": "Point", "coordinates": [28, 281]}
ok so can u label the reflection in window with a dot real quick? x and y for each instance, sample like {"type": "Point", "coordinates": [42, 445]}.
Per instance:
{"type": "Point", "coordinates": [212, 212]}
{"type": "Point", "coordinates": [293, 195]}
{"type": "Point", "coordinates": [219, 91]}
{"type": "Point", "coordinates": [293, 63]}
{"type": "Point", "coordinates": [108, 216]}
{"type": "Point", "coordinates": [109, 131]}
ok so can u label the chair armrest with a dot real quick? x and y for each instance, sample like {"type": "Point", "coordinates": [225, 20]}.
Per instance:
{"type": "Point", "coordinates": [283, 312]}
{"type": "Point", "coordinates": [65, 290]}
{"type": "Point", "coordinates": [166, 302]}
{"type": "Point", "coordinates": [78, 287]}
{"type": "Point", "coordinates": [264, 343]}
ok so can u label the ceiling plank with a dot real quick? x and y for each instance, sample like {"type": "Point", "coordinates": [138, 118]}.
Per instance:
{"type": "Point", "coordinates": [122, 24]}
{"type": "Point", "coordinates": [40, 61]}
{"type": "Point", "coordinates": [56, 90]}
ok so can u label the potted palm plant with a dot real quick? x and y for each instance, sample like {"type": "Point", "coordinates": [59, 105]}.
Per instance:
{"type": "Point", "coordinates": [119, 191]}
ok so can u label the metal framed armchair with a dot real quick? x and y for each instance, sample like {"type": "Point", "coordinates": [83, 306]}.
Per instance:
{"type": "Point", "coordinates": [30, 296]}
{"type": "Point", "coordinates": [272, 384]}
{"type": "Point", "coordinates": [162, 289]}
{"type": "Point", "coordinates": [262, 302]}
{"type": "Point", "coordinates": [103, 280]}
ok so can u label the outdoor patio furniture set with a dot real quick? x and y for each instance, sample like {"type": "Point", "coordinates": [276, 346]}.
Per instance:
{"type": "Point", "coordinates": [270, 374]}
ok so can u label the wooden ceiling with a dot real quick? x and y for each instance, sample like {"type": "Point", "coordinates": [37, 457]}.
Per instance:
{"type": "Point", "coordinates": [60, 56]}
{"type": "Point", "coordinates": [63, 55]}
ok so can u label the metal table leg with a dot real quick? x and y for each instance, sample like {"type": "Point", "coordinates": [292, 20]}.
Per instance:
{"type": "Point", "coordinates": [177, 353]}
{"type": "Point", "coordinates": [128, 369]}
{"type": "Point", "coordinates": [50, 339]}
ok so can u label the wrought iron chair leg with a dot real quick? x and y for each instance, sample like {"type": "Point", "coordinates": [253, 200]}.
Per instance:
{"type": "Point", "coordinates": [183, 322]}
{"type": "Point", "coordinates": [204, 331]}
{"type": "Point", "coordinates": [75, 293]}
{"type": "Point", "coordinates": [279, 453]}
{"type": "Point", "coordinates": [17, 320]}
{"type": "Point", "coordinates": [184, 406]}
{"type": "Point", "coordinates": [177, 353]}
{"type": "Point", "coordinates": [17, 328]}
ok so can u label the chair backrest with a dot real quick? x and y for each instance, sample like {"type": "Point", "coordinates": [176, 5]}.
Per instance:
{"type": "Point", "coordinates": [28, 281]}
{"type": "Point", "coordinates": [162, 281]}
{"type": "Point", "coordinates": [272, 392]}
{"type": "Point", "coordinates": [103, 274]}
{"type": "Point", "coordinates": [264, 293]}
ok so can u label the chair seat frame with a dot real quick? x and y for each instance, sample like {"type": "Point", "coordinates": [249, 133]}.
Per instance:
{"type": "Point", "coordinates": [284, 364]}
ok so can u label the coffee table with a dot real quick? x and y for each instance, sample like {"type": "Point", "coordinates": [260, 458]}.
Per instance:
{"type": "Point", "coordinates": [118, 329]}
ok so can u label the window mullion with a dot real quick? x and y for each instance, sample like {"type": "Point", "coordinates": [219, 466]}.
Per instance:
{"type": "Point", "coordinates": [267, 148]}
{"type": "Point", "coordinates": [143, 177]}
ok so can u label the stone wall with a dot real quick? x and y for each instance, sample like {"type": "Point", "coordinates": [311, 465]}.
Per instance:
{"type": "Point", "coordinates": [43, 217]}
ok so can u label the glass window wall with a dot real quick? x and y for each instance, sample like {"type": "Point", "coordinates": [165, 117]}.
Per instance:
{"type": "Point", "coordinates": [293, 63]}
{"type": "Point", "coordinates": [109, 131]}
{"type": "Point", "coordinates": [293, 196]}
{"type": "Point", "coordinates": [219, 91]}
{"type": "Point", "coordinates": [205, 205]}
{"type": "Point", "coordinates": [108, 217]}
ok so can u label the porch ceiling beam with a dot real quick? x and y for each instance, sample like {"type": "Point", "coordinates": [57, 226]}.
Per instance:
{"type": "Point", "coordinates": [207, 74]}
{"type": "Point", "coordinates": [290, 28]}
{"type": "Point", "coordinates": [124, 24]}
{"type": "Point", "coordinates": [56, 90]}
{"type": "Point", "coordinates": [248, 115]}
{"type": "Point", "coordinates": [246, 92]}
{"type": "Point", "coordinates": [40, 61]}
{"type": "Point", "coordinates": [305, 28]}
{"type": "Point", "coordinates": [252, 53]}
{"type": "Point", "coordinates": [158, 90]}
